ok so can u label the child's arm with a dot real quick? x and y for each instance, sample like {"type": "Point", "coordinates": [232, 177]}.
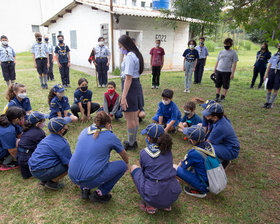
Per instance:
{"type": "Point", "coordinates": [160, 119]}
{"type": "Point", "coordinates": [116, 106]}
{"type": "Point", "coordinates": [65, 113]}
{"type": "Point", "coordinates": [88, 109]}
{"type": "Point", "coordinates": [184, 62]}
{"type": "Point", "coordinates": [216, 66]}
{"type": "Point", "coordinates": [233, 70]}
{"type": "Point", "coordinates": [267, 71]}
{"type": "Point", "coordinates": [195, 62]}
{"type": "Point", "coordinates": [57, 60]}
{"type": "Point", "coordinates": [162, 61]}
{"type": "Point", "coordinates": [68, 55]}
{"type": "Point", "coordinates": [124, 156]}
{"type": "Point", "coordinates": [81, 110]}
{"type": "Point", "coordinates": [169, 126]}
{"type": "Point", "coordinates": [59, 114]}
{"type": "Point", "coordinates": [35, 64]}
{"type": "Point", "coordinates": [105, 105]}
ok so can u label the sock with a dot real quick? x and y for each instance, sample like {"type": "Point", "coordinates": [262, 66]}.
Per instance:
{"type": "Point", "coordinates": [8, 83]}
{"type": "Point", "coordinates": [268, 97]}
{"type": "Point", "coordinates": [217, 95]}
{"type": "Point", "coordinates": [223, 97]}
{"type": "Point", "coordinates": [46, 79]}
{"type": "Point", "coordinates": [135, 133]}
{"type": "Point", "coordinates": [99, 192]}
{"type": "Point", "coordinates": [41, 79]}
{"type": "Point", "coordinates": [13, 81]}
{"type": "Point", "coordinates": [130, 132]}
{"type": "Point", "coordinates": [273, 98]}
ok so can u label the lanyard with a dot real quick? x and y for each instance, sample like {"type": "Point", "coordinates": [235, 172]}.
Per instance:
{"type": "Point", "coordinates": [259, 56]}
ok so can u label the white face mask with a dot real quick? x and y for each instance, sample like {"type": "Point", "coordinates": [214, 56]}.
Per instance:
{"type": "Point", "coordinates": [166, 102]}
{"type": "Point", "coordinates": [60, 94]}
{"type": "Point", "coordinates": [157, 45]}
{"type": "Point", "coordinates": [5, 43]}
{"type": "Point", "coordinates": [42, 124]}
{"type": "Point", "coordinates": [101, 43]}
{"type": "Point", "coordinates": [191, 46]}
{"type": "Point", "coordinates": [22, 95]}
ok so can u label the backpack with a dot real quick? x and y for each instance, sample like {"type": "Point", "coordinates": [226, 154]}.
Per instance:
{"type": "Point", "coordinates": [215, 172]}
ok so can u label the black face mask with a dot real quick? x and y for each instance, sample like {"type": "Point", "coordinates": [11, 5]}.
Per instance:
{"type": "Point", "coordinates": [210, 121]}
{"type": "Point", "coordinates": [263, 49]}
{"type": "Point", "coordinates": [60, 41]}
{"type": "Point", "coordinates": [84, 88]}
{"type": "Point", "coordinates": [65, 131]}
{"type": "Point", "coordinates": [227, 47]}
{"type": "Point", "coordinates": [39, 39]}
{"type": "Point", "coordinates": [46, 39]}
{"type": "Point", "coordinates": [278, 48]}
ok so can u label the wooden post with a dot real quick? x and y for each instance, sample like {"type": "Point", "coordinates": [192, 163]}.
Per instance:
{"type": "Point", "coordinates": [112, 35]}
{"type": "Point", "coordinates": [202, 31]}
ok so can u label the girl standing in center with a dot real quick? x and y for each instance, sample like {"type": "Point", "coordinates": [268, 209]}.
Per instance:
{"type": "Point", "coordinates": [132, 95]}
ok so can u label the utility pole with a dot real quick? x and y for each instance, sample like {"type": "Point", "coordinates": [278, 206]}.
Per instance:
{"type": "Point", "coordinates": [112, 34]}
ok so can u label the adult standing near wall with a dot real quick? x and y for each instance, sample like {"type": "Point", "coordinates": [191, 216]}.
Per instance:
{"type": "Point", "coordinates": [102, 62]}
{"type": "Point", "coordinates": [203, 53]}
{"type": "Point", "coordinates": [260, 65]}
{"type": "Point", "coordinates": [50, 49]}
{"type": "Point", "coordinates": [132, 95]}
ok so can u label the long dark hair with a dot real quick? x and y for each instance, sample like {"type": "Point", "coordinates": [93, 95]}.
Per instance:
{"type": "Point", "coordinates": [164, 142]}
{"type": "Point", "coordinates": [10, 94]}
{"type": "Point", "coordinates": [265, 45]}
{"type": "Point", "coordinates": [129, 45]}
{"type": "Point", "coordinates": [11, 114]}
{"type": "Point", "coordinates": [100, 120]}
{"type": "Point", "coordinates": [51, 95]}
{"type": "Point", "coordinates": [81, 80]}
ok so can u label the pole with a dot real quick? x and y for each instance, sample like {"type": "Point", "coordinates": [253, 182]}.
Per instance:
{"type": "Point", "coordinates": [112, 34]}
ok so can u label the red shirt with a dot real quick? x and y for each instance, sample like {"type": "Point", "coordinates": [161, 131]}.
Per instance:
{"type": "Point", "coordinates": [157, 54]}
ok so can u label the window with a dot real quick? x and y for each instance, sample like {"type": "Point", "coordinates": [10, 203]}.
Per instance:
{"type": "Point", "coordinates": [73, 39]}
{"type": "Point", "coordinates": [59, 32]}
{"type": "Point", "coordinates": [104, 32]}
{"type": "Point", "coordinates": [35, 28]}
{"type": "Point", "coordinates": [133, 2]}
{"type": "Point", "coordinates": [143, 4]}
{"type": "Point", "coordinates": [151, 5]}
{"type": "Point", "coordinates": [53, 39]}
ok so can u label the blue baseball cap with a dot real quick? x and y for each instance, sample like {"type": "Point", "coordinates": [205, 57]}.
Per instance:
{"type": "Point", "coordinates": [58, 88]}
{"type": "Point", "coordinates": [153, 130]}
{"type": "Point", "coordinates": [36, 116]}
{"type": "Point", "coordinates": [195, 132]}
{"type": "Point", "coordinates": [213, 108]}
{"type": "Point", "coordinates": [208, 102]}
{"type": "Point", "coordinates": [57, 123]}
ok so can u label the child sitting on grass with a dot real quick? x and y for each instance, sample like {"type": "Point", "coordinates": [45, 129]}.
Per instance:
{"type": "Point", "coordinates": [168, 113]}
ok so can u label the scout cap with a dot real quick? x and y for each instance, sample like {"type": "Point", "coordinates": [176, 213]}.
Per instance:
{"type": "Point", "coordinates": [57, 123]}
{"type": "Point", "coordinates": [153, 130]}
{"type": "Point", "coordinates": [195, 132]}
{"type": "Point", "coordinates": [58, 88]}
{"type": "Point", "coordinates": [35, 117]}
{"type": "Point", "coordinates": [213, 108]}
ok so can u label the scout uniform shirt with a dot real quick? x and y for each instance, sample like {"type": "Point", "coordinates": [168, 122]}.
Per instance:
{"type": "Point", "coordinates": [6, 53]}
{"type": "Point", "coordinates": [190, 55]}
{"type": "Point", "coordinates": [169, 112]}
{"type": "Point", "coordinates": [58, 105]}
{"type": "Point", "coordinates": [82, 97]}
{"type": "Point", "coordinates": [40, 50]}
{"type": "Point", "coordinates": [24, 104]}
{"type": "Point", "coordinates": [101, 52]}
{"type": "Point", "coordinates": [262, 58]}
{"type": "Point", "coordinates": [202, 52]}
{"type": "Point", "coordinates": [275, 61]}
{"type": "Point", "coordinates": [62, 51]}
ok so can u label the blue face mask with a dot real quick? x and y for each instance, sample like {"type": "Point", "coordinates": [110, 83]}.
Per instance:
{"type": "Point", "coordinates": [123, 51]}
{"type": "Point", "coordinates": [147, 141]}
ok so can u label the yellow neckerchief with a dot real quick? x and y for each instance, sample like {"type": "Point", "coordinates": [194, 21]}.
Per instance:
{"type": "Point", "coordinates": [92, 129]}
{"type": "Point", "coordinates": [209, 152]}
{"type": "Point", "coordinates": [153, 151]}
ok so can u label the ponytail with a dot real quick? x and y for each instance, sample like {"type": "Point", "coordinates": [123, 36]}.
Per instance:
{"type": "Point", "coordinates": [164, 143]}
{"type": "Point", "coordinates": [10, 93]}
{"type": "Point", "coordinates": [4, 122]}
{"type": "Point", "coordinates": [100, 120]}
{"type": "Point", "coordinates": [11, 114]}
{"type": "Point", "coordinates": [51, 95]}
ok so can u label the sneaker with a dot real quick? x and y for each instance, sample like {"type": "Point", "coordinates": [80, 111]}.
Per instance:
{"type": "Point", "coordinates": [142, 206]}
{"type": "Point", "coordinates": [186, 90]}
{"type": "Point", "coordinates": [46, 86]}
{"type": "Point", "coordinates": [223, 98]}
{"type": "Point", "coordinates": [269, 106]}
{"type": "Point", "coordinates": [265, 105]}
{"type": "Point", "coordinates": [68, 85]}
{"type": "Point", "coordinates": [151, 210]}
{"type": "Point", "coordinates": [99, 86]}
{"type": "Point", "coordinates": [127, 146]}
{"type": "Point", "coordinates": [251, 87]}
{"type": "Point", "coordinates": [194, 193]}
{"type": "Point", "coordinates": [157, 87]}
{"type": "Point", "coordinates": [85, 194]}
{"type": "Point", "coordinates": [153, 86]}
{"type": "Point", "coordinates": [96, 198]}
{"type": "Point", "coordinates": [10, 166]}
{"type": "Point", "coordinates": [53, 185]}
{"type": "Point", "coordinates": [103, 86]}
{"type": "Point", "coordinates": [225, 163]}
{"type": "Point", "coordinates": [217, 100]}
{"type": "Point", "coordinates": [42, 86]}
{"type": "Point", "coordinates": [169, 209]}
{"type": "Point", "coordinates": [42, 183]}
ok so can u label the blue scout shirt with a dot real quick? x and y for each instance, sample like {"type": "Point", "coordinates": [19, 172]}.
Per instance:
{"type": "Point", "coordinates": [82, 97]}
{"type": "Point", "coordinates": [31, 138]}
{"type": "Point", "coordinates": [6, 53]}
{"type": "Point", "coordinates": [169, 112]}
{"type": "Point", "coordinates": [275, 61]}
{"type": "Point", "coordinates": [101, 52]}
{"type": "Point", "coordinates": [92, 155]}
{"type": "Point", "coordinates": [58, 105]}
{"type": "Point", "coordinates": [40, 50]}
{"type": "Point", "coordinates": [130, 66]}
{"type": "Point", "coordinates": [190, 55]}
{"type": "Point", "coordinates": [223, 133]}
{"type": "Point", "coordinates": [51, 151]}
{"type": "Point", "coordinates": [194, 120]}
{"type": "Point", "coordinates": [24, 103]}
{"type": "Point", "coordinates": [202, 52]}
{"type": "Point", "coordinates": [8, 138]}
{"type": "Point", "coordinates": [196, 161]}
{"type": "Point", "coordinates": [262, 58]}
{"type": "Point", "coordinates": [62, 51]}
{"type": "Point", "coordinates": [50, 47]}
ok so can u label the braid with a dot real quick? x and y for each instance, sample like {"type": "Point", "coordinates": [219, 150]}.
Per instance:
{"type": "Point", "coordinates": [100, 120]}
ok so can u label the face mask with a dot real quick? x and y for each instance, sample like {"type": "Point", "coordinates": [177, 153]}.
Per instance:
{"type": "Point", "coordinates": [111, 91]}
{"type": "Point", "coordinates": [165, 102]}
{"type": "Point", "coordinates": [60, 94]}
{"type": "Point", "coordinates": [84, 88]}
{"type": "Point", "coordinates": [21, 122]}
{"type": "Point", "coordinates": [147, 141]}
{"type": "Point", "coordinates": [123, 51]}
{"type": "Point", "coordinates": [65, 131]}
{"type": "Point", "coordinates": [5, 43]}
{"type": "Point", "coordinates": [157, 45]}
{"type": "Point", "coordinates": [46, 39]}
{"type": "Point", "coordinates": [278, 48]}
{"type": "Point", "coordinates": [101, 43]}
{"type": "Point", "coordinates": [22, 95]}
{"type": "Point", "coordinates": [187, 112]}
{"type": "Point", "coordinates": [210, 121]}
{"type": "Point", "coordinates": [262, 48]}
{"type": "Point", "coordinates": [201, 43]}
{"type": "Point", "coordinates": [227, 47]}
{"type": "Point", "coordinates": [39, 39]}
{"type": "Point", "coordinates": [60, 41]}
{"type": "Point", "coordinates": [191, 46]}
{"type": "Point", "coordinates": [42, 124]}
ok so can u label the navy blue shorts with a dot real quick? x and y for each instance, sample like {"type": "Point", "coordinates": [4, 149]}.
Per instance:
{"type": "Point", "coordinates": [8, 70]}
{"type": "Point", "coordinates": [49, 173]}
{"type": "Point", "coordinates": [273, 79]}
{"type": "Point", "coordinates": [135, 98]}
{"type": "Point", "coordinates": [42, 67]}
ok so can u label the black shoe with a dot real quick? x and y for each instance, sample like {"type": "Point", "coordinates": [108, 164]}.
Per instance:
{"type": "Point", "coordinates": [53, 185]}
{"type": "Point", "coordinates": [217, 99]}
{"type": "Point", "coordinates": [251, 87]}
{"type": "Point", "coordinates": [195, 83]}
{"type": "Point", "coordinates": [85, 194]}
{"type": "Point", "coordinates": [96, 198]}
{"type": "Point", "coordinates": [140, 119]}
{"type": "Point", "coordinates": [127, 146]}
{"type": "Point", "coordinates": [42, 183]}
{"type": "Point", "coordinates": [265, 105]}
{"type": "Point", "coordinates": [223, 98]}
{"type": "Point", "coordinates": [269, 106]}
{"type": "Point", "coordinates": [225, 163]}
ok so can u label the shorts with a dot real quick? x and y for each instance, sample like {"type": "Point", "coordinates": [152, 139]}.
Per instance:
{"type": "Point", "coordinates": [8, 70]}
{"type": "Point", "coordinates": [166, 121]}
{"type": "Point", "coordinates": [134, 98]}
{"type": "Point", "coordinates": [42, 67]}
{"type": "Point", "coordinates": [222, 79]}
{"type": "Point", "coordinates": [49, 173]}
{"type": "Point", "coordinates": [273, 79]}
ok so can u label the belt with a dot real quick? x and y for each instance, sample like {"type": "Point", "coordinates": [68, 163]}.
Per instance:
{"type": "Point", "coordinates": [100, 57]}
{"type": "Point", "coordinates": [189, 61]}
{"type": "Point", "coordinates": [20, 149]}
{"type": "Point", "coordinates": [8, 62]}
{"type": "Point", "coordinates": [158, 180]}
{"type": "Point", "coordinates": [40, 58]}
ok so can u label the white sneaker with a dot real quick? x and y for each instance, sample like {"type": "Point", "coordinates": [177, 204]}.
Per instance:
{"type": "Point", "coordinates": [99, 86]}
{"type": "Point", "coordinates": [185, 91]}
{"type": "Point", "coordinates": [103, 86]}
{"type": "Point", "coordinates": [153, 87]}
{"type": "Point", "coordinates": [157, 87]}
{"type": "Point", "coordinates": [188, 91]}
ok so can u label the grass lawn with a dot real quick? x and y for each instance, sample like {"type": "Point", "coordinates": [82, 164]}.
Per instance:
{"type": "Point", "coordinates": [252, 194]}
